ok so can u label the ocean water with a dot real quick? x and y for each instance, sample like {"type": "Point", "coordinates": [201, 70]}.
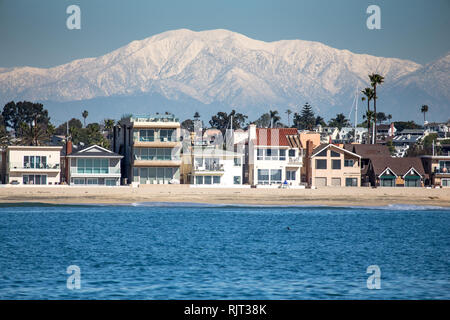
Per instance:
{"type": "Point", "coordinates": [184, 251]}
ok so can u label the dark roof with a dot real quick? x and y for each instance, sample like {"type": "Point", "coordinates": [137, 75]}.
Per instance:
{"type": "Point", "coordinates": [400, 166]}
{"type": "Point", "coordinates": [94, 151]}
{"type": "Point", "coordinates": [368, 150]}
{"type": "Point", "coordinates": [274, 137]}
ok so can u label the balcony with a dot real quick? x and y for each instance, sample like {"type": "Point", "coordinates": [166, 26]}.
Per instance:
{"type": "Point", "coordinates": [209, 168]}
{"type": "Point", "coordinates": [20, 166]}
{"type": "Point", "coordinates": [442, 171]}
{"type": "Point", "coordinates": [295, 161]}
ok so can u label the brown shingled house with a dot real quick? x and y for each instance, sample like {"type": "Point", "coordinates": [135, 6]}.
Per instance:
{"type": "Point", "coordinates": [392, 172]}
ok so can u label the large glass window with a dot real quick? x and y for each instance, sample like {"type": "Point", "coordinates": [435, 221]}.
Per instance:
{"type": "Point", "coordinates": [260, 154]}
{"type": "Point", "coordinates": [321, 164]}
{"type": "Point", "coordinates": [156, 175]}
{"type": "Point", "coordinates": [147, 135]}
{"type": "Point", "coordinates": [291, 153]}
{"type": "Point", "coordinates": [263, 176]}
{"type": "Point", "coordinates": [323, 153]}
{"type": "Point", "coordinates": [237, 180]}
{"type": "Point", "coordinates": [35, 162]}
{"type": "Point", "coordinates": [92, 166]}
{"type": "Point", "coordinates": [349, 162]}
{"type": "Point", "coordinates": [290, 175]}
{"type": "Point", "coordinates": [275, 176]}
{"type": "Point", "coordinates": [335, 154]}
{"type": "Point", "coordinates": [154, 154]}
{"type": "Point", "coordinates": [351, 182]}
{"type": "Point", "coordinates": [34, 179]}
{"type": "Point", "coordinates": [282, 154]}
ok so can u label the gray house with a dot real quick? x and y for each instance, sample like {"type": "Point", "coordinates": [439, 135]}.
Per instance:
{"type": "Point", "coordinates": [94, 165]}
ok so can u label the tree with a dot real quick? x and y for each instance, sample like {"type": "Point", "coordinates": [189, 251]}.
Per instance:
{"type": "Point", "coordinates": [222, 121]}
{"type": "Point", "coordinates": [62, 129]}
{"type": "Point", "coordinates": [289, 112]}
{"type": "Point", "coordinates": [369, 94]}
{"type": "Point", "coordinates": [306, 119]}
{"type": "Point", "coordinates": [381, 117]}
{"type": "Point", "coordinates": [389, 117]}
{"type": "Point", "coordinates": [4, 134]}
{"type": "Point", "coordinates": [274, 118]}
{"type": "Point", "coordinates": [85, 114]}
{"type": "Point", "coordinates": [320, 121]}
{"type": "Point", "coordinates": [196, 115]}
{"type": "Point", "coordinates": [424, 110]}
{"type": "Point", "coordinates": [263, 121]}
{"type": "Point", "coordinates": [369, 117]}
{"type": "Point", "coordinates": [340, 121]}
{"type": "Point", "coordinates": [188, 125]}
{"type": "Point", "coordinates": [375, 80]}
{"type": "Point", "coordinates": [108, 125]}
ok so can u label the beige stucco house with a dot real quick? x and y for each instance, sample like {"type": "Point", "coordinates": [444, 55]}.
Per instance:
{"type": "Point", "coordinates": [331, 165]}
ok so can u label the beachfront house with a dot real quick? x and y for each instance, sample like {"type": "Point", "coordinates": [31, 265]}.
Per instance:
{"type": "Point", "coordinates": [332, 165]}
{"type": "Point", "coordinates": [93, 166]}
{"type": "Point", "coordinates": [438, 170]}
{"type": "Point", "coordinates": [275, 156]}
{"type": "Point", "coordinates": [394, 172]}
{"type": "Point", "coordinates": [33, 165]}
{"type": "Point", "coordinates": [151, 148]}
{"type": "Point", "coordinates": [216, 167]}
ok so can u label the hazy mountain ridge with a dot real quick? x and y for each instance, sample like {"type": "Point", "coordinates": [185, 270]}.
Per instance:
{"type": "Point", "coordinates": [221, 67]}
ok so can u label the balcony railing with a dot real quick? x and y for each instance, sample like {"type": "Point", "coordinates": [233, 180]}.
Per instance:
{"type": "Point", "coordinates": [157, 139]}
{"type": "Point", "coordinates": [442, 171]}
{"type": "Point", "coordinates": [215, 167]}
{"type": "Point", "coordinates": [33, 166]}
{"type": "Point", "coordinates": [88, 171]}
{"type": "Point", "coordinates": [298, 160]}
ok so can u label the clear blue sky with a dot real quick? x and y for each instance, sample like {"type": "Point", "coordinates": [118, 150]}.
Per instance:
{"type": "Point", "coordinates": [34, 33]}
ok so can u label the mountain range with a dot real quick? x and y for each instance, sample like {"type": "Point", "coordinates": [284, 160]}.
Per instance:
{"type": "Point", "coordinates": [183, 71]}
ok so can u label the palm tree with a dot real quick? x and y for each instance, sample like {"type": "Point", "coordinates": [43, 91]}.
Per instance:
{"type": "Point", "coordinates": [424, 110]}
{"type": "Point", "coordinates": [196, 115]}
{"type": "Point", "coordinates": [389, 117]}
{"type": "Point", "coordinates": [375, 79]}
{"type": "Point", "coordinates": [108, 124]}
{"type": "Point", "coordinates": [369, 116]}
{"type": "Point", "coordinates": [289, 112]}
{"type": "Point", "coordinates": [368, 92]}
{"type": "Point", "coordinates": [274, 118]}
{"type": "Point", "coordinates": [85, 115]}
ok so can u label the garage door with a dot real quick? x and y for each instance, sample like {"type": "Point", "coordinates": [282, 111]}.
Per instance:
{"type": "Point", "coordinates": [321, 182]}
{"type": "Point", "coordinates": [336, 182]}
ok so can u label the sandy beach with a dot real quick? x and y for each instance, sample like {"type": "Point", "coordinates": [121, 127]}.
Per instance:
{"type": "Point", "coordinates": [183, 193]}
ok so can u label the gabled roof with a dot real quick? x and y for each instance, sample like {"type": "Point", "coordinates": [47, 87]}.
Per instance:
{"type": "Point", "coordinates": [368, 150]}
{"type": "Point", "coordinates": [95, 151]}
{"type": "Point", "coordinates": [275, 136]}
{"type": "Point", "coordinates": [324, 146]}
{"type": "Point", "coordinates": [400, 166]}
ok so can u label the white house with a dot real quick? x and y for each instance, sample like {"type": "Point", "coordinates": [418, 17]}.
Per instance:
{"type": "Point", "coordinates": [94, 165]}
{"type": "Point", "coordinates": [33, 165]}
{"type": "Point", "coordinates": [274, 156]}
{"type": "Point", "coordinates": [216, 167]}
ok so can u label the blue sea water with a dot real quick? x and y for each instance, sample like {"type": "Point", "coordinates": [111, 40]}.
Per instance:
{"type": "Point", "coordinates": [159, 251]}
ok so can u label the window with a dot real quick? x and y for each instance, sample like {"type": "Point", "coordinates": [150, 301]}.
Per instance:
{"type": "Point", "coordinates": [275, 176]}
{"type": "Point", "coordinates": [282, 154]}
{"type": "Point", "coordinates": [323, 153]}
{"type": "Point", "coordinates": [336, 182]}
{"type": "Point", "coordinates": [35, 162]}
{"type": "Point", "coordinates": [349, 162]}
{"type": "Point", "coordinates": [335, 154]}
{"type": "Point", "coordinates": [336, 164]}
{"type": "Point", "coordinates": [237, 162]}
{"type": "Point", "coordinates": [292, 153]}
{"type": "Point", "coordinates": [260, 154]}
{"type": "Point", "coordinates": [146, 135]}
{"type": "Point", "coordinates": [263, 176]}
{"type": "Point", "coordinates": [154, 154]}
{"type": "Point", "coordinates": [34, 179]}
{"type": "Point", "coordinates": [110, 182]}
{"type": "Point", "coordinates": [78, 181]}
{"type": "Point", "coordinates": [198, 180]}
{"type": "Point", "coordinates": [92, 181]}
{"type": "Point", "coordinates": [92, 166]}
{"type": "Point", "coordinates": [207, 179]}
{"type": "Point", "coordinates": [444, 166]}
{"type": "Point", "coordinates": [167, 135]}
{"type": "Point", "coordinates": [216, 179]}
{"type": "Point", "coordinates": [351, 182]}
{"type": "Point", "coordinates": [290, 175]}
{"type": "Point", "coordinates": [268, 154]}
{"type": "Point", "coordinates": [445, 182]}
{"type": "Point", "coordinates": [237, 180]}
{"type": "Point", "coordinates": [321, 164]}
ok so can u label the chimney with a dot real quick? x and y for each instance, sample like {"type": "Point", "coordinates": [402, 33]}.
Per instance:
{"type": "Point", "coordinates": [391, 131]}
{"type": "Point", "coordinates": [68, 147]}
{"type": "Point", "coordinates": [307, 161]}
{"type": "Point", "coordinates": [252, 132]}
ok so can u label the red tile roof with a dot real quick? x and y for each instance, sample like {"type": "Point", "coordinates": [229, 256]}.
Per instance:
{"type": "Point", "coordinates": [274, 137]}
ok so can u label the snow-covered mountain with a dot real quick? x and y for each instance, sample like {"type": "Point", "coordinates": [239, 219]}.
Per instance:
{"type": "Point", "coordinates": [183, 69]}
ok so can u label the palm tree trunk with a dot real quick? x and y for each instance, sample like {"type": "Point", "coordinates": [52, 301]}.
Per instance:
{"type": "Point", "coordinates": [368, 121]}
{"type": "Point", "coordinates": [374, 138]}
